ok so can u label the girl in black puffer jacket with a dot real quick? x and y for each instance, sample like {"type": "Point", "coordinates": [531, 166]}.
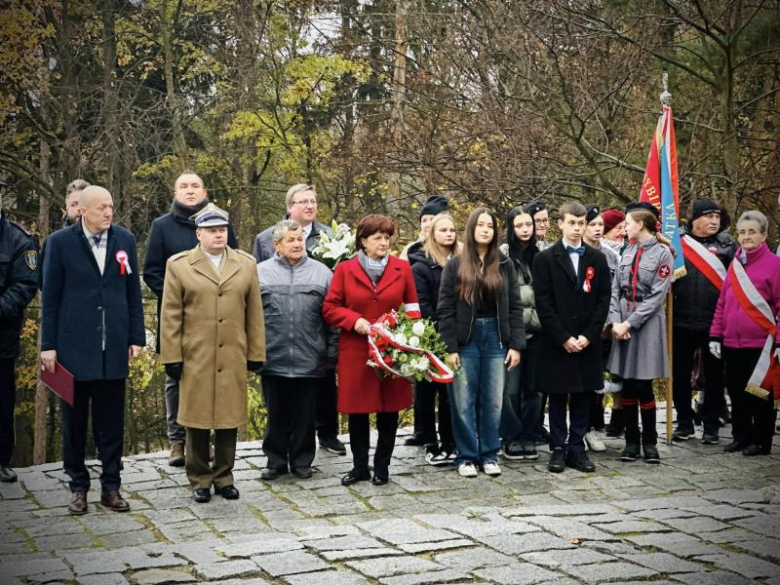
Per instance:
{"type": "Point", "coordinates": [427, 262]}
{"type": "Point", "coordinates": [522, 403]}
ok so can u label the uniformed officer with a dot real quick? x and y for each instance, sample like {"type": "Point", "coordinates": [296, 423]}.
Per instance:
{"type": "Point", "coordinates": [172, 233]}
{"type": "Point", "coordinates": [212, 332]}
{"type": "Point", "coordinates": [18, 285]}
{"type": "Point", "coordinates": [638, 321]}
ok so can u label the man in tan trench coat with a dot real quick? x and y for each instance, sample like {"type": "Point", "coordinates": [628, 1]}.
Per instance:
{"type": "Point", "coordinates": [212, 332]}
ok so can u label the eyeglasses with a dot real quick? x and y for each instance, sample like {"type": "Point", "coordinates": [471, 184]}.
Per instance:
{"type": "Point", "coordinates": [541, 221]}
{"type": "Point", "coordinates": [305, 202]}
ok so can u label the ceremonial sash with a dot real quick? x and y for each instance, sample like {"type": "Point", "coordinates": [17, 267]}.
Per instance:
{"type": "Point", "coordinates": [705, 261]}
{"type": "Point", "coordinates": [765, 380]}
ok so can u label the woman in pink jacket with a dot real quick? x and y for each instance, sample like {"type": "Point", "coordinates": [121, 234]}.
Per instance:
{"type": "Point", "coordinates": [744, 332]}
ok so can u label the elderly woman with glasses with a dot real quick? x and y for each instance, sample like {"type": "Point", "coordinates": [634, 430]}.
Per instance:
{"type": "Point", "coordinates": [744, 334]}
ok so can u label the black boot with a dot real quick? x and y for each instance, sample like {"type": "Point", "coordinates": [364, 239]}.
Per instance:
{"type": "Point", "coordinates": [631, 420]}
{"type": "Point", "coordinates": [649, 432]}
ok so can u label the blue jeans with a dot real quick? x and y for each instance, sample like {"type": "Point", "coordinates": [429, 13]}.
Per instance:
{"type": "Point", "coordinates": [477, 394]}
{"type": "Point", "coordinates": [522, 403]}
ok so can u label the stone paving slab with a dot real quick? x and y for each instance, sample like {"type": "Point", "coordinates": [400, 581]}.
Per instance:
{"type": "Point", "coordinates": [701, 517]}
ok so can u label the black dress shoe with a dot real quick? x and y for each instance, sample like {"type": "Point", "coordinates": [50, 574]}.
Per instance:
{"type": "Point", "coordinates": [201, 495]}
{"type": "Point", "coordinates": [580, 462]}
{"type": "Point", "coordinates": [356, 475]}
{"type": "Point", "coordinates": [229, 492]}
{"type": "Point", "coordinates": [734, 447]}
{"type": "Point", "coordinates": [302, 472]}
{"type": "Point", "coordinates": [379, 480]}
{"type": "Point", "coordinates": [557, 461]}
{"type": "Point", "coordinates": [7, 475]}
{"type": "Point", "coordinates": [651, 454]}
{"type": "Point", "coordinates": [753, 450]}
{"type": "Point", "coordinates": [271, 473]}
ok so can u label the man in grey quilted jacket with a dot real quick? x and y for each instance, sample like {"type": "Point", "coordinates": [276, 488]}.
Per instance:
{"type": "Point", "coordinates": [301, 348]}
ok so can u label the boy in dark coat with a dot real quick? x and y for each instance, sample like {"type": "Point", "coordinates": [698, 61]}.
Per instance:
{"type": "Point", "coordinates": [572, 290]}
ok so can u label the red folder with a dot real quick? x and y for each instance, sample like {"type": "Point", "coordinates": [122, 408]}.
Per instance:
{"type": "Point", "coordinates": [60, 382]}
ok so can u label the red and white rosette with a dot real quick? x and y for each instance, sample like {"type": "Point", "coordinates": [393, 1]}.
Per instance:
{"type": "Point", "coordinates": [589, 274]}
{"type": "Point", "coordinates": [380, 338]}
{"type": "Point", "coordinates": [124, 262]}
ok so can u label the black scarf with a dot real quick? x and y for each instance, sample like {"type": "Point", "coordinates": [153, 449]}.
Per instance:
{"type": "Point", "coordinates": [184, 213]}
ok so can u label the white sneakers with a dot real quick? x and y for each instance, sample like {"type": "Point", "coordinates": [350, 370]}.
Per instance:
{"type": "Point", "coordinates": [491, 469]}
{"type": "Point", "coordinates": [594, 442]}
{"type": "Point", "coordinates": [468, 469]}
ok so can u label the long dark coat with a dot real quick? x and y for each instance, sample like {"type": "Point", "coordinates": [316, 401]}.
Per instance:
{"type": "Point", "coordinates": [566, 310]}
{"type": "Point", "coordinates": [79, 302]}
{"type": "Point", "coordinates": [352, 296]}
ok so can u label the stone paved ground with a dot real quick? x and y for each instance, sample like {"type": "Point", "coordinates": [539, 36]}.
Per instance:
{"type": "Point", "coordinates": [702, 517]}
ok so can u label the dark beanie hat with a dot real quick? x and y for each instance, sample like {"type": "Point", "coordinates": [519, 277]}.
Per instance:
{"type": "Point", "coordinates": [643, 205]}
{"type": "Point", "coordinates": [534, 207]}
{"type": "Point", "coordinates": [592, 211]}
{"type": "Point", "coordinates": [436, 204]}
{"type": "Point", "coordinates": [703, 207]}
{"type": "Point", "coordinates": [612, 217]}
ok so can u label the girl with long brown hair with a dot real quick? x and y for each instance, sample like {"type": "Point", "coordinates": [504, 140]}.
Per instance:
{"type": "Point", "coordinates": [481, 322]}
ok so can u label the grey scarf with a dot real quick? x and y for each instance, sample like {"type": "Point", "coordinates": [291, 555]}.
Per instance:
{"type": "Point", "coordinates": [374, 268]}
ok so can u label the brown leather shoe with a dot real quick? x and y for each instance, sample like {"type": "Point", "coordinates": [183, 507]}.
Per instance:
{"type": "Point", "coordinates": [78, 504]}
{"type": "Point", "coordinates": [113, 500]}
{"type": "Point", "coordinates": [176, 458]}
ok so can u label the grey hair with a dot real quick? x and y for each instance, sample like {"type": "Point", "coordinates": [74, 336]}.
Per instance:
{"type": "Point", "coordinates": [757, 216]}
{"type": "Point", "coordinates": [285, 225]}
{"type": "Point", "coordinates": [295, 189]}
{"type": "Point", "coordinates": [77, 185]}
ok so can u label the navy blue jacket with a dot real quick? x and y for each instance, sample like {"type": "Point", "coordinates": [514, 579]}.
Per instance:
{"type": "Point", "coordinates": [79, 302]}
{"type": "Point", "coordinates": [19, 275]}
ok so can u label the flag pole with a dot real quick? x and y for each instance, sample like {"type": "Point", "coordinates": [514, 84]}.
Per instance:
{"type": "Point", "coordinates": [666, 99]}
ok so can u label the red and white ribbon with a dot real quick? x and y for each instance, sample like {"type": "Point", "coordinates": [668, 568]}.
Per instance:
{"type": "Point", "coordinates": [705, 261]}
{"type": "Point", "coordinates": [380, 339]}
{"type": "Point", "coordinates": [124, 262]}
{"type": "Point", "coordinates": [412, 310]}
{"type": "Point", "coordinates": [765, 380]}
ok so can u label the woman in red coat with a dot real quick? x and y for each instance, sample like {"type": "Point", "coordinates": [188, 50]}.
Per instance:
{"type": "Point", "coordinates": [363, 289]}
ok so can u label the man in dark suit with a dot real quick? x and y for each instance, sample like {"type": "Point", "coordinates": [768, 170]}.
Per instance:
{"type": "Point", "coordinates": [172, 233]}
{"type": "Point", "coordinates": [572, 291]}
{"type": "Point", "coordinates": [92, 324]}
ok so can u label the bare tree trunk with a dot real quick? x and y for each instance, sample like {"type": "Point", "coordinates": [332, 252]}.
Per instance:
{"type": "Point", "coordinates": [168, 22]}
{"type": "Point", "coordinates": [399, 98]}
{"type": "Point", "coordinates": [41, 392]}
